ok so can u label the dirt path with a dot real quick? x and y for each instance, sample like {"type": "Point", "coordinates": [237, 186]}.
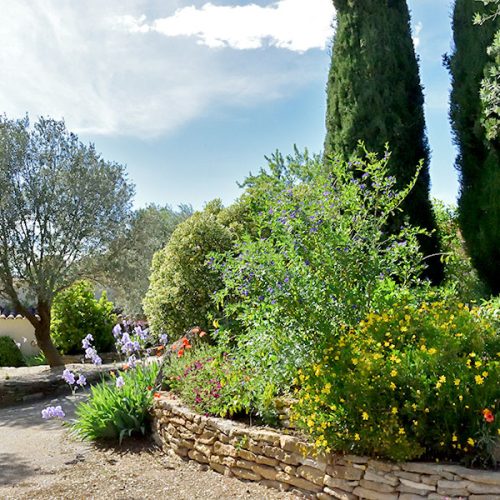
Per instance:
{"type": "Point", "coordinates": [40, 460]}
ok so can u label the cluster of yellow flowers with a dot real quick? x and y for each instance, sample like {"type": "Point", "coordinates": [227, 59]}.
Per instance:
{"type": "Point", "coordinates": [393, 378]}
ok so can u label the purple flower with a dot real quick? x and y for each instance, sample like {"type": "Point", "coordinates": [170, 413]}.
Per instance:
{"type": "Point", "coordinates": [132, 361]}
{"type": "Point", "coordinates": [91, 353]}
{"type": "Point", "coordinates": [68, 377]}
{"type": "Point", "coordinates": [117, 330]}
{"type": "Point", "coordinates": [120, 382]}
{"type": "Point", "coordinates": [86, 341]}
{"type": "Point", "coordinates": [164, 339]}
{"type": "Point", "coordinates": [81, 380]}
{"type": "Point", "coordinates": [53, 412]}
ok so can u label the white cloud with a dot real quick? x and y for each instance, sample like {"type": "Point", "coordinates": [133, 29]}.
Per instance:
{"type": "Point", "coordinates": [417, 29]}
{"type": "Point", "coordinates": [296, 25]}
{"type": "Point", "coordinates": [67, 59]}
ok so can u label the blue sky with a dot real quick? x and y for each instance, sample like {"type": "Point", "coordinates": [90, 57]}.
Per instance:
{"type": "Point", "coordinates": [191, 95]}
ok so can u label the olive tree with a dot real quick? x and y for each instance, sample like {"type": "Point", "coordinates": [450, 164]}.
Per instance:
{"type": "Point", "coordinates": [61, 204]}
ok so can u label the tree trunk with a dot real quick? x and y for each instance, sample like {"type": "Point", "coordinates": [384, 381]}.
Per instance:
{"type": "Point", "coordinates": [42, 334]}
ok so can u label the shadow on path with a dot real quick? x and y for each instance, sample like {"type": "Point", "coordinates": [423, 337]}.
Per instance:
{"type": "Point", "coordinates": [14, 469]}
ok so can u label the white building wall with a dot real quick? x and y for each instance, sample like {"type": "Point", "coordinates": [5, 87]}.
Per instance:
{"type": "Point", "coordinates": [22, 331]}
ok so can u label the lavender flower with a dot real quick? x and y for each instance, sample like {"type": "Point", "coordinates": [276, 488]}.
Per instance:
{"type": "Point", "coordinates": [53, 412]}
{"type": "Point", "coordinates": [86, 342]}
{"type": "Point", "coordinates": [68, 376]}
{"type": "Point", "coordinates": [164, 339]}
{"type": "Point", "coordinates": [117, 331]}
{"type": "Point", "coordinates": [132, 361]}
{"type": "Point", "coordinates": [81, 380]}
{"type": "Point", "coordinates": [91, 353]}
{"type": "Point", "coordinates": [120, 382]}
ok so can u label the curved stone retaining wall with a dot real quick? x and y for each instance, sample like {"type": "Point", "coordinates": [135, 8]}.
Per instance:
{"type": "Point", "coordinates": [285, 462]}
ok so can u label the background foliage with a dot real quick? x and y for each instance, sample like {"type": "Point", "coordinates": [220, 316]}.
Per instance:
{"type": "Point", "coordinates": [76, 313]}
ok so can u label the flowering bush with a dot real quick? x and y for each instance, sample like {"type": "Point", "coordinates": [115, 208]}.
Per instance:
{"type": "Point", "coordinates": [122, 408]}
{"type": "Point", "coordinates": [208, 380]}
{"type": "Point", "coordinates": [321, 254]}
{"type": "Point", "coordinates": [119, 409]}
{"type": "Point", "coordinates": [410, 381]}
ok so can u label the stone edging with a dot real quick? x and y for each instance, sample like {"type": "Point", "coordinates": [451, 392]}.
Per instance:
{"type": "Point", "coordinates": [285, 462]}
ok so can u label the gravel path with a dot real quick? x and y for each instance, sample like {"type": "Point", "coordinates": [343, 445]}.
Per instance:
{"type": "Point", "coordinates": [41, 460]}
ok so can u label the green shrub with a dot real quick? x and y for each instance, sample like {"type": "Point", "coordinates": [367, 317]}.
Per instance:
{"type": "Point", "coordinates": [36, 360]}
{"type": "Point", "coordinates": [10, 354]}
{"type": "Point", "coordinates": [409, 382]}
{"type": "Point", "coordinates": [76, 313]}
{"type": "Point", "coordinates": [181, 287]}
{"type": "Point", "coordinates": [113, 412]}
{"type": "Point", "coordinates": [460, 274]}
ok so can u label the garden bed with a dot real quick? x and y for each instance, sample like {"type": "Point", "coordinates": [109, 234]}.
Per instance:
{"type": "Point", "coordinates": [286, 462]}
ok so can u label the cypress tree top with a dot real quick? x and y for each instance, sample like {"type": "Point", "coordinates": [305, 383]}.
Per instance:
{"type": "Point", "coordinates": [374, 95]}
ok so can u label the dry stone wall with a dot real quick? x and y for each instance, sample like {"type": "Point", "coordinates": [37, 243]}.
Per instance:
{"type": "Point", "coordinates": [287, 463]}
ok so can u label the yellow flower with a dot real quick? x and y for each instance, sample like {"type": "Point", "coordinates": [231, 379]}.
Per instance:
{"type": "Point", "coordinates": [461, 398]}
{"type": "Point", "coordinates": [442, 379]}
{"type": "Point", "coordinates": [454, 438]}
{"type": "Point", "coordinates": [402, 431]}
{"type": "Point", "coordinates": [394, 410]}
{"type": "Point", "coordinates": [327, 388]}
{"type": "Point", "coordinates": [438, 385]}
{"type": "Point", "coordinates": [432, 350]}
{"type": "Point", "coordinates": [365, 415]}
{"type": "Point", "coordinates": [356, 437]}
{"type": "Point", "coordinates": [317, 370]}
{"type": "Point", "coordinates": [457, 381]}
{"type": "Point", "coordinates": [470, 441]}
{"type": "Point", "coordinates": [394, 373]}
{"type": "Point", "coordinates": [484, 374]}
{"type": "Point", "coordinates": [392, 385]}
{"type": "Point", "coordinates": [479, 380]}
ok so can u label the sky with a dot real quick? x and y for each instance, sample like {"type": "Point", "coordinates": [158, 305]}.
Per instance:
{"type": "Point", "coordinates": [192, 95]}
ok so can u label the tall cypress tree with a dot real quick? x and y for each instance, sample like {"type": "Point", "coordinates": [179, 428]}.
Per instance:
{"type": "Point", "coordinates": [374, 95]}
{"type": "Point", "coordinates": [478, 160]}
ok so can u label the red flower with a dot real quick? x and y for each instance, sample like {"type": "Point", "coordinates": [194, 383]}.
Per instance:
{"type": "Point", "coordinates": [488, 415]}
{"type": "Point", "coordinates": [180, 353]}
{"type": "Point", "coordinates": [157, 395]}
{"type": "Point", "coordinates": [149, 388]}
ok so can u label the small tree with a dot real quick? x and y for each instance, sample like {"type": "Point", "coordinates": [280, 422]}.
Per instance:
{"type": "Point", "coordinates": [127, 265]}
{"type": "Point", "coordinates": [61, 204]}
